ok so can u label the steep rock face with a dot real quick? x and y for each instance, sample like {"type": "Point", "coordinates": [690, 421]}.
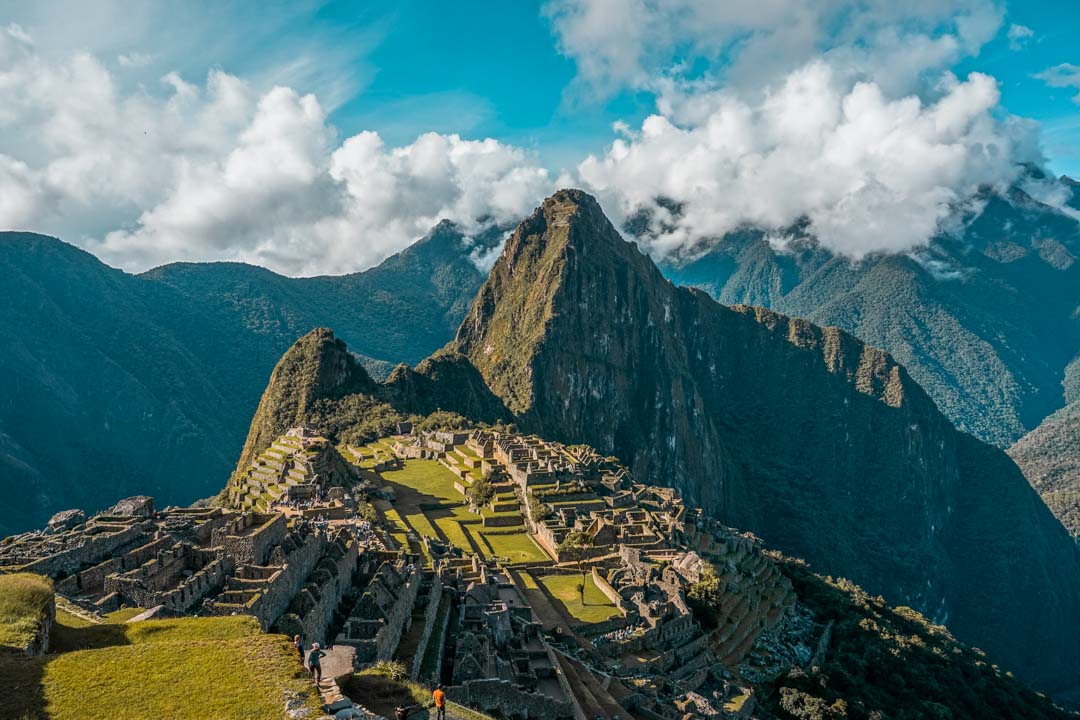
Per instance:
{"type": "Point", "coordinates": [1050, 457]}
{"type": "Point", "coordinates": [984, 318]}
{"type": "Point", "coordinates": [821, 444]}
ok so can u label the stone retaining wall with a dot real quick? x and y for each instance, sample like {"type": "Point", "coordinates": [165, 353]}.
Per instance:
{"type": "Point", "coordinates": [430, 614]}
{"type": "Point", "coordinates": [97, 548]}
{"type": "Point", "coordinates": [507, 700]}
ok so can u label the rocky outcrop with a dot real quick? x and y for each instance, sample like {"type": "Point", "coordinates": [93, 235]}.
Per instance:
{"type": "Point", "coordinates": [822, 445]}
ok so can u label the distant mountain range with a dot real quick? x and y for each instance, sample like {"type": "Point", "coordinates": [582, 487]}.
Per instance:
{"type": "Point", "coordinates": [984, 318]}
{"type": "Point", "coordinates": [121, 384]}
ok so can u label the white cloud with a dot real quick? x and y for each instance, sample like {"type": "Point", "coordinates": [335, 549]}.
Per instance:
{"type": "Point", "coordinates": [871, 173]}
{"type": "Point", "coordinates": [841, 113]}
{"type": "Point", "coordinates": [1019, 36]}
{"type": "Point", "coordinates": [855, 126]}
{"type": "Point", "coordinates": [620, 43]}
{"type": "Point", "coordinates": [220, 171]}
{"type": "Point", "coordinates": [1065, 75]}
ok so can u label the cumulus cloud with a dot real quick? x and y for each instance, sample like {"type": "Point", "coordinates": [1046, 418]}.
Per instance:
{"type": "Point", "coordinates": [219, 171]}
{"type": "Point", "coordinates": [618, 43]}
{"type": "Point", "coordinates": [1065, 75]}
{"type": "Point", "coordinates": [870, 173]}
{"type": "Point", "coordinates": [839, 117]}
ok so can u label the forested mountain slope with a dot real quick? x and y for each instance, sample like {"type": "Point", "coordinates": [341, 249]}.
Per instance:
{"type": "Point", "coordinates": [120, 384]}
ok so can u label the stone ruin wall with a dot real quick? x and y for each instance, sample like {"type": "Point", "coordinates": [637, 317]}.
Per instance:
{"type": "Point", "coordinates": [92, 580]}
{"type": "Point", "coordinates": [317, 617]}
{"type": "Point", "coordinates": [145, 584]}
{"type": "Point", "coordinates": [281, 585]}
{"type": "Point", "coordinates": [372, 647]}
{"type": "Point", "coordinates": [254, 547]}
{"type": "Point", "coordinates": [191, 591]}
{"type": "Point", "coordinates": [434, 599]}
{"type": "Point", "coordinates": [503, 697]}
{"type": "Point", "coordinates": [97, 547]}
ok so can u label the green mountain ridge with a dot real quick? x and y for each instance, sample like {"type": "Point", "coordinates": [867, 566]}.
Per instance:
{"type": "Point", "coordinates": [820, 444]}
{"type": "Point", "coordinates": [984, 319]}
{"type": "Point", "coordinates": [122, 384]}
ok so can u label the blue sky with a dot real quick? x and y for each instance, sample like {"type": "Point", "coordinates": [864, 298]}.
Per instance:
{"type": "Point", "coordinates": [486, 69]}
{"type": "Point", "coordinates": [495, 69]}
{"type": "Point", "coordinates": [315, 137]}
{"type": "Point", "coordinates": [1055, 26]}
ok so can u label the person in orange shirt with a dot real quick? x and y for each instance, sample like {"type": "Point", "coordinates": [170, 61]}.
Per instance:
{"type": "Point", "coordinates": [440, 703]}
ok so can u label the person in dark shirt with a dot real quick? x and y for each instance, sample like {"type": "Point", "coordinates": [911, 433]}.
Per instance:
{"type": "Point", "coordinates": [402, 711]}
{"type": "Point", "coordinates": [299, 647]}
{"type": "Point", "coordinates": [314, 665]}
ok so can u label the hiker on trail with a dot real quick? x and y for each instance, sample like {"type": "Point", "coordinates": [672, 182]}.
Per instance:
{"type": "Point", "coordinates": [299, 647]}
{"type": "Point", "coordinates": [402, 711]}
{"type": "Point", "coordinates": [440, 703]}
{"type": "Point", "coordinates": [314, 666]}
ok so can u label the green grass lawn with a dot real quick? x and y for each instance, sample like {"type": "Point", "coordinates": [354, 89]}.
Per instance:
{"type": "Point", "coordinates": [23, 596]}
{"type": "Point", "coordinates": [198, 668]}
{"type": "Point", "coordinates": [563, 588]}
{"type": "Point", "coordinates": [426, 477]}
{"type": "Point", "coordinates": [517, 546]}
{"type": "Point", "coordinates": [426, 483]}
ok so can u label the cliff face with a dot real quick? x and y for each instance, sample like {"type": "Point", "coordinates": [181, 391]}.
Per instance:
{"type": "Point", "coordinates": [804, 435]}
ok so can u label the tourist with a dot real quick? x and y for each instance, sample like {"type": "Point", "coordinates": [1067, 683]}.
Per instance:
{"type": "Point", "coordinates": [299, 647]}
{"type": "Point", "coordinates": [402, 711]}
{"type": "Point", "coordinates": [314, 665]}
{"type": "Point", "coordinates": [440, 703]}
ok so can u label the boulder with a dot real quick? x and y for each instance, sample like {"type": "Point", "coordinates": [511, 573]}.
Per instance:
{"type": "Point", "coordinates": [135, 506]}
{"type": "Point", "coordinates": [67, 519]}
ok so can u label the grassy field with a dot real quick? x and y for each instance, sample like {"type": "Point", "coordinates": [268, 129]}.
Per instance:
{"type": "Point", "coordinates": [427, 503]}
{"type": "Point", "coordinates": [197, 668]}
{"type": "Point", "coordinates": [516, 546]}
{"type": "Point", "coordinates": [22, 598]}
{"type": "Point", "coordinates": [563, 588]}
{"type": "Point", "coordinates": [423, 484]}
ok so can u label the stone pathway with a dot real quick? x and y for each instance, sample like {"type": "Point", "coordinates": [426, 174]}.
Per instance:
{"type": "Point", "coordinates": [338, 661]}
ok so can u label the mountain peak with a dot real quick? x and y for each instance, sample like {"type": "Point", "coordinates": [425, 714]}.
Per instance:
{"type": "Point", "coordinates": [801, 434]}
{"type": "Point", "coordinates": [317, 366]}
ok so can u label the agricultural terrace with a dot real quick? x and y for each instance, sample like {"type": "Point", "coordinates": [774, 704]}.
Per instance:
{"type": "Point", "coordinates": [427, 504]}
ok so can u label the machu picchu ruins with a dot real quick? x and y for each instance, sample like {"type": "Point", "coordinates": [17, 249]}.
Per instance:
{"type": "Point", "coordinates": [450, 551]}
